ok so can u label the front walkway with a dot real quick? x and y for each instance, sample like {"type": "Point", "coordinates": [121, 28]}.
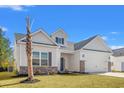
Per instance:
{"type": "Point", "coordinates": [114, 74]}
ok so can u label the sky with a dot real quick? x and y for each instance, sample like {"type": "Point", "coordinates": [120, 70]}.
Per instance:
{"type": "Point", "coordinates": [79, 22]}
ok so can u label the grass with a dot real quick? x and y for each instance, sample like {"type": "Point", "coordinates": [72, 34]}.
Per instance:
{"type": "Point", "coordinates": [63, 81]}
{"type": "Point", "coordinates": [117, 71]}
{"type": "Point", "coordinates": [6, 75]}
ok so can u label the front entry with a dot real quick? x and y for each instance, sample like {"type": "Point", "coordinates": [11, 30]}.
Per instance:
{"type": "Point", "coordinates": [82, 66]}
{"type": "Point", "coordinates": [109, 66]}
{"type": "Point", "coordinates": [62, 64]}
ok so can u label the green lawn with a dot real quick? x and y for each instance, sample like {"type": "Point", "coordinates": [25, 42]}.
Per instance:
{"type": "Point", "coordinates": [6, 75]}
{"type": "Point", "coordinates": [63, 81]}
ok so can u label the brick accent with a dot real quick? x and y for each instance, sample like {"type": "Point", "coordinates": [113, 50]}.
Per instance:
{"type": "Point", "coordinates": [38, 70]}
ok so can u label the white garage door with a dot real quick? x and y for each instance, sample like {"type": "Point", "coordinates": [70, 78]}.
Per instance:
{"type": "Point", "coordinates": [96, 62]}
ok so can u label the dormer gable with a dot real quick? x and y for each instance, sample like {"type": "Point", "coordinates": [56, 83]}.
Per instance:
{"type": "Point", "coordinates": [60, 37]}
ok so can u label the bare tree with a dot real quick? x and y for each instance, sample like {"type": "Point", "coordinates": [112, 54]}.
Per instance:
{"type": "Point", "coordinates": [29, 50]}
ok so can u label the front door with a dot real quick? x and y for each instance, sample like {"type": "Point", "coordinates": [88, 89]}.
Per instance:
{"type": "Point", "coordinates": [62, 64]}
{"type": "Point", "coordinates": [109, 66]}
{"type": "Point", "coordinates": [82, 66]}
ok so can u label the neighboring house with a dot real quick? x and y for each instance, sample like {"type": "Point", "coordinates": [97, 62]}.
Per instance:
{"type": "Point", "coordinates": [117, 59]}
{"type": "Point", "coordinates": [54, 53]}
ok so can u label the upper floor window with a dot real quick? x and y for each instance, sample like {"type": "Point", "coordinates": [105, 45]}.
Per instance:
{"type": "Point", "coordinates": [60, 40]}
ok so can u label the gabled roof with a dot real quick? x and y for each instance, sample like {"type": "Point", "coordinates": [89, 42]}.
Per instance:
{"type": "Point", "coordinates": [118, 52]}
{"type": "Point", "coordinates": [22, 37]}
{"type": "Point", "coordinates": [18, 36]}
{"type": "Point", "coordinates": [81, 44]}
{"type": "Point", "coordinates": [58, 30]}
{"type": "Point", "coordinates": [75, 46]}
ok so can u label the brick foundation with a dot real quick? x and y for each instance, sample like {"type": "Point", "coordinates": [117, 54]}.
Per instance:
{"type": "Point", "coordinates": [38, 70]}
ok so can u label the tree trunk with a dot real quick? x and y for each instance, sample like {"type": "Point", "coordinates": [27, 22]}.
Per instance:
{"type": "Point", "coordinates": [30, 68]}
{"type": "Point", "coordinates": [29, 51]}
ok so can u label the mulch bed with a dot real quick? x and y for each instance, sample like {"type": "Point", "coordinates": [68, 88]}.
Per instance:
{"type": "Point", "coordinates": [28, 81]}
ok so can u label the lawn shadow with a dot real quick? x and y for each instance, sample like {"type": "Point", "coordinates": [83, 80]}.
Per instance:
{"type": "Point", "coordinates": [9, 84]}
{"type": "Point", "coordinates": [73, 74]}
{"type": "Point", "coordinates": [19, 76]}
{"type": "Point", "coordinates": [11, 77]}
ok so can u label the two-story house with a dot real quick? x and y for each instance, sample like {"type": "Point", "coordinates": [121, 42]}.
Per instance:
{"type": "Point", "coordinates": [55, 53]}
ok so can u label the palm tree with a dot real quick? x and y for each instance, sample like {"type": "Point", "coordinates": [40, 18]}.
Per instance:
{"type": "Point", "coordinates": [29, 51]}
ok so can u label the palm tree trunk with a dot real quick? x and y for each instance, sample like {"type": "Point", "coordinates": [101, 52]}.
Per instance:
{"type": "Point", "coordinates": [29, 51]}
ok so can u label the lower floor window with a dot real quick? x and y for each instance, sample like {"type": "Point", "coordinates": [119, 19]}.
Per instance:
{"type": "Point", "coordinates": [35, 60]}
{"type": "Point", "coordinates": [40, 58]}
{"type": "Point", "coordinates": [43, 62]}
{"type": "Point", "coordinates": [44, 59]}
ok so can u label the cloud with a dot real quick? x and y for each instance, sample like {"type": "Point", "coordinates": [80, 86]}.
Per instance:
{"type": "Point", "coordinates": [4, 28]}
{"type": "Point", "coordinates": [114, 32]}
{"type": "Point", "coordinates": [116, 47]}
{"type": "Point", "coordinates": [104, 38]}
{"type": "Point", "coordinates": [14, 7]}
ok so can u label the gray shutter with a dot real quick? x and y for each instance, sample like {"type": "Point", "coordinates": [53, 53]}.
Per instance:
{"type": "Point", "coordinates": [50, 59]}
{"type": "Point", "coordinates": [63, 41]}
{"type": "Point", "coordinates": [57, 40]}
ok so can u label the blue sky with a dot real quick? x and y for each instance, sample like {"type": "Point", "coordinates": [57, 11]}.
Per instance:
{"type": "Point", "coordinates": [79, 22]}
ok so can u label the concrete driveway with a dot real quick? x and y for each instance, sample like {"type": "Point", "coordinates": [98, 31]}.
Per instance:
{"type": "Point", "coordinates": [114, 74]}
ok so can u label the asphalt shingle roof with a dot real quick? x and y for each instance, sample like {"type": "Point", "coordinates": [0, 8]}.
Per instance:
{"type": "Point", "coordinates": [118, 52]}
{"type": "Point", "coordinates": [81, 44]}
{"type": "Point", "coordinates": [77, 46]}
